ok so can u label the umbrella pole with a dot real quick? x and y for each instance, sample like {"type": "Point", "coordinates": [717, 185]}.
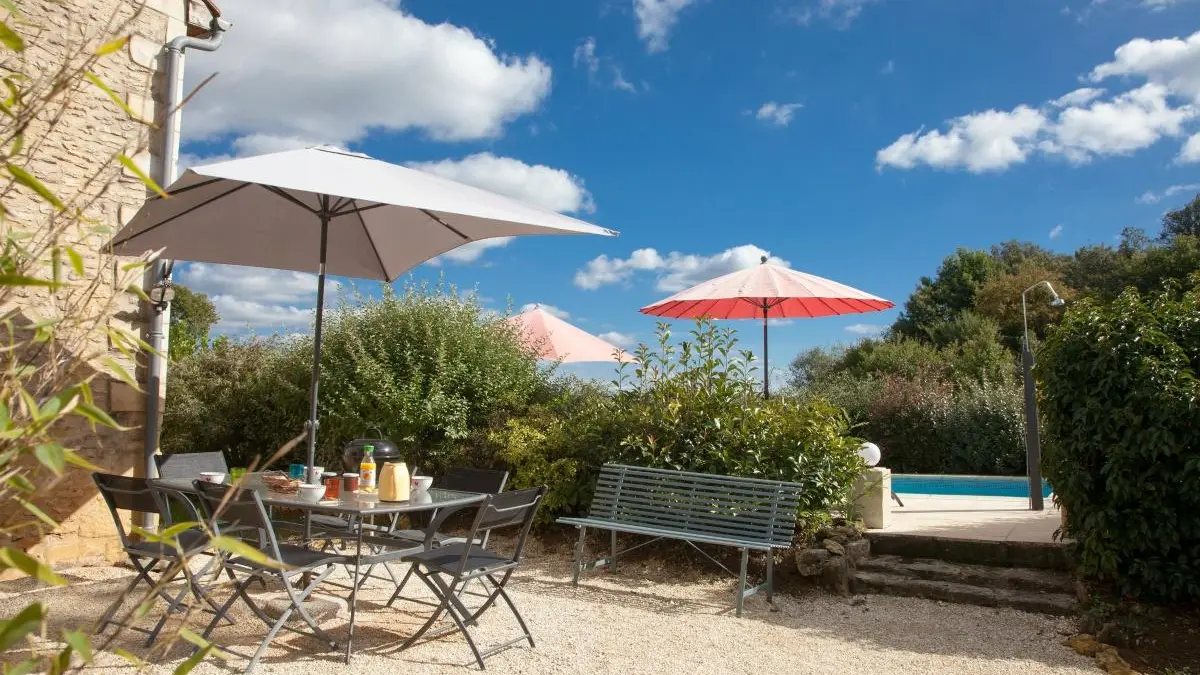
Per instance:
{"type": "Point", "coordinates": [766, 360]}
{"type": "Point", "coordinates": [316, 366]}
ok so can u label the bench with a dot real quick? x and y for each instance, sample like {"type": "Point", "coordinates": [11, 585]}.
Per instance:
{"type": "Point", "coordinates": [749, 514]}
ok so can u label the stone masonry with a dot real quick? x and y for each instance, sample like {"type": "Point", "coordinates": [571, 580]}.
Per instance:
{"type": "Point", "coordinates": [87, 139]}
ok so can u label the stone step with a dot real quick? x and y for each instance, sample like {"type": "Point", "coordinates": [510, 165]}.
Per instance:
{"type": "Point", "coordinates": [1019, 578]}
{"type": "Point", "coordinates": [1039, 555]}
{"type": "Point", "coordinates": [1058, 604]}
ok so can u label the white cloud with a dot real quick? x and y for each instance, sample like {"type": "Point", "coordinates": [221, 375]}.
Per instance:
{"type": "Point", "coordinates": [1160, 5]}
{"type": "Point", "coordinates": [373, 67]}
{"type": "Point", "coordinates": [1081, 125]}
{"type": "Point", "coordinates": [537, 184]}
{"type": "Point", "coordinates": [777, 114]}
{"type": "Point", "coordinates": [655, 19]}
{"type": "Point", "coordinates": [1190, 152]}
{"type": "Point", "coordinates": [674, 272]}
{"type": "Point", "coordinates": [263, 285]}
{"type": "Point", "coordinates": [986, 141]}
{"type": "Point", "coordinates": [1056, 231]}
{"type": "Point", "coordinates": [888, 68]}
{"type": "Point", "coordinates": [1081, 96]}
{"type": "Point", "coordinates": [470, 252]}
{"type": "Point", "coordinates": [549, 309]}
{"type": "Point", "coordinates": [619, 81]}
{"type": "Point", "coordinates": [622, 340]}
{"type": "Point", "coordinates": [585, 55]}
{"type": "Point", "coordinates": [1172, 62]}
{"type": "Point", "coordinates": [841, 12]}
{"type": "Point", "coordinates": [238, 314]}
{"type": "Point", "coordinates": [865, 329]}
{"type": "Point", "coordinates": [1149, 197]}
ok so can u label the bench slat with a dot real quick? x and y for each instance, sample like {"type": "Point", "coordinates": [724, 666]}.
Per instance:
{"type": "Point", "coordinates": [759, 515]}
{"type": "Point", "coordinates": [670, 534]}
{"type": "Point", "coordinates": [760, 488]}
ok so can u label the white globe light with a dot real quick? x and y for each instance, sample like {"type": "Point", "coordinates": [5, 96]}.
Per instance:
{"type": "Point", "coordinates": [870, 453]}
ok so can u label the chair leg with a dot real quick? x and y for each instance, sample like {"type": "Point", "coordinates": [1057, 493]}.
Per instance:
{"type": "Point", "coordinates": [437, 613]}
{"type": "Point", "coordinates": [578, 555]}
{"type": "Point", "coordinates": [400, 586]}
{"type": "Point", "coordinates": [504, 594]}
{"type": "Point", "coordinates": [771, 577]}
{"type": "Point", "coordinates": [741, 589]}
{"type": "Point", "coordinates": [612, 556]}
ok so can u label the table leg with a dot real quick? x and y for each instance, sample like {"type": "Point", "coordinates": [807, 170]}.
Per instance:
{"type": "Point", "coordinates": [354, 592]}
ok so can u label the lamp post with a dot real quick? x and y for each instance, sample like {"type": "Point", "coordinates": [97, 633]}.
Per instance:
{"type": "Point", "coordinates": [1033, 441]}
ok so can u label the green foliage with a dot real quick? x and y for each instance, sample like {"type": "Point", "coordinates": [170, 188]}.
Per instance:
{"type": "Point", "coordinates": [422, 365]}
{"type": "Point", "coordinates": [952, 291]}
{"type": "Point", "coordinates": [1121, 407]}
{"type": "Point", "coordinates": [692, 405]}
{"type": "Point", "coordinates": [1182, 221]}
{"type": "Point", "coordinates": [192, 317]}
{"type": "Point", "coordinates": [999, 299]}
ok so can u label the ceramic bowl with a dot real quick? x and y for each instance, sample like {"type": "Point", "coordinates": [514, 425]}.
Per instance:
{"type": "Point", "coordinates": [421, 483]}
{"type": "Point", "coordinates": [311, 492]}
{"type": "Point", "coordinates": [212, 476]}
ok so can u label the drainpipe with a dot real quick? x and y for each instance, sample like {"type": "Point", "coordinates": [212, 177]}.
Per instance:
{"type": "Point", "coordinates": [160, 271]}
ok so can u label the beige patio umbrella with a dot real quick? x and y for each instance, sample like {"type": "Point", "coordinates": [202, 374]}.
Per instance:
{"type": "Point", "coordinates": [326, 211]}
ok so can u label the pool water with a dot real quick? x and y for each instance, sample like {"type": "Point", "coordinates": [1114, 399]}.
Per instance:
{"type": "Point", "coordinates": [980, 486]}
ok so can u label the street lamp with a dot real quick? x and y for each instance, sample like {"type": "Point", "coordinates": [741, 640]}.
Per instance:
{"type": "Point", "coordinates": [1033, 441]}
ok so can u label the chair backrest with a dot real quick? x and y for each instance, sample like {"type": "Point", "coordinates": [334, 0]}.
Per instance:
{"type": "Point", "coordinates": [238, 512]}
{"type": "Point", "coordinates": [508, 509]}
{"type": "Point", "coordinates": [725, 507]}
{"type": "Point", "coordinates": [485, 481]}
{"type": "Point", "coordinates": [126, 493]}
{"type": "Point", "coordinates": [190, 464]}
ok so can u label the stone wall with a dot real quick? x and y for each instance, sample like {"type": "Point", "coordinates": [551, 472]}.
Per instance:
{"type": "Point", "coordinates": [86, 140]}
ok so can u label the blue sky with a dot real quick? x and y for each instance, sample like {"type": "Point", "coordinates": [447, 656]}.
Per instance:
{"type": "Point", "coordinates": [860, 140]}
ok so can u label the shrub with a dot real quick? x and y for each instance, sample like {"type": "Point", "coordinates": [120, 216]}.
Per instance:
{"type": "Point", "coordinates": [1121, 407]}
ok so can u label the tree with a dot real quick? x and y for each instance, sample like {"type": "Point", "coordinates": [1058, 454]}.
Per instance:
{"type": "Point", "coordinates": [1000, 300]}
{"type": "Point", "coordinates": [192, 317]}
{"type": "Point", "coordinates": [1185, 221]}
{"type": "Point", "coordinates": [945, 296]}
{"type": "Point", "coordinates": [1013, 255]}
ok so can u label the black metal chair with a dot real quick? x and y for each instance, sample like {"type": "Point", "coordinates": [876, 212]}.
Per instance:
{"type": "Point", "coordinates": [156, 563]}
{"type": "Point", "coordinates": [241, 514]}
{"type": "Point", "coordinates": [446, 568]}
{"type": "Point", "coordinates": [190, 464]}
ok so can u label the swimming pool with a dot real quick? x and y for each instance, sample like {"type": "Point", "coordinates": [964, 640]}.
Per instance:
{"type": "Point", "coordinates": [980, 486]}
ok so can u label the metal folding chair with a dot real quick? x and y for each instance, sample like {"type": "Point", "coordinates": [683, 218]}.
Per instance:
{"type": "Point", "coordinates": [446, 568]}
{"type": "Point", "coordinates": [156, 564]}
{"type": "Point", "coordinates": [190, 464]}
{"type": "Point", "coordinates": [241, 513]}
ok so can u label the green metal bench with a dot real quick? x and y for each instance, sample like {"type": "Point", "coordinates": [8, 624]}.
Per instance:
{"type": "Point", "coordinates": [749, 514]}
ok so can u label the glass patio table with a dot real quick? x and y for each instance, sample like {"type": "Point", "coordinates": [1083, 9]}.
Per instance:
{"type": "Point", "coordinates": [357, 505]}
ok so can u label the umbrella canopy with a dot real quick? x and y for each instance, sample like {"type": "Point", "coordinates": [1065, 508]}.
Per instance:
{"type": "Point", "coordinates": [557, 340]}
{"type": "Point", "coordinates": [326, 211]}
{"type": "Point", "coordinates": [764, 292]}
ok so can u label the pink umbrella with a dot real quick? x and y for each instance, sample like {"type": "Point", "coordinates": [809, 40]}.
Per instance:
{"type": "Point", "coordinates": [769, 292]}
{"type": "Point", "coordinates": [557, 340]}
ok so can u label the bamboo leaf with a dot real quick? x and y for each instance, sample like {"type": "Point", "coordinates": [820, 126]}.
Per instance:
{"type": "Point", "coordinates": [23, 280]}
{"type": "Point", "coordinates": [37, 512]}
{"type": "Point", "coordinates": [51, 456]}
{"type": "Point", "coordinates": [28, 180]}
{"type": "Point", "coordinates": [97, 415]}
{"type": "Point", "coordinates": [240, 548]}
{"type": "Point", "coordinates": [80, 643]}
{"type": "Point", "coordinates": [75, 459]}
{"type": "Point", "coordinates": [137, 171]}
{"type": "Point", "coordinates": [76, 261]}
{"type": "Point", "coordinates": [125, 654]}
{"type": "Point", "coordinates": [94, 79]}
{"type": "Point", "coordinates": [10, 39]}
{"type": "Point", "coordinates": [192, 661]}
{"type": "Point", "coordinates": [120, 371]}
{"type": "Point", "coordinates": [22, 668]}
{"type": "Point", "coordinates": [25, 622]}
{"type": "Point", "coordinates": [177, 529]}
{"type": "Point", "coordinates": [112, 46]}
{"type": "Point", "coordinates": [20, 482]}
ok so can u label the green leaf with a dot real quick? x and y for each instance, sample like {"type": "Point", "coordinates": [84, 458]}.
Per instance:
{"type": "Point", "coordinates": [22, 280]}
{"type": "Point", "coordinates": [177, 529]}
{"type": "Point", "coordinates": [51, 456]}
{"type": "Point", "coordinates": [94, 79]}
{"type": "Point", "coordinates": [137, 171]}
{"type": "Point", "coordinates": [38, 513]}
{"type": "Point", "coordinates": [112, 46]}
{"type": "Point", "coordinates": [20, 482]}
{"type": "Point", "coordinates": [80, 643]}
{"type": "Point", "coordinates": [10, 39]}
{"type": "Point", "coordinates": [125, 654]}
{"type": "Point", "coordinates": [76, 261]}
{"type": "Point", "coordinates": [17, 559]}
{"type": "Point", "coordinates": [192, 661]}
{"type": "Point", "coordinates": [21, 668]}
{"type": "Point", "coordinates": [96, 415]}
{"type": "Point", "coordinates": [28, 180]}
{"type": "Point", "coordinates": [120, 371]}
{"type": "Point", "coordinates": [25, 622]}
{"type": "Point", "coordinates": [240, 548]}
{"type": "Point", "coordinates": [75, 459]}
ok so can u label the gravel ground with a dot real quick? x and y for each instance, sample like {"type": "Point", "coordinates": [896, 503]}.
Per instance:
{"type": "Point", "coordinates": [646, 619]}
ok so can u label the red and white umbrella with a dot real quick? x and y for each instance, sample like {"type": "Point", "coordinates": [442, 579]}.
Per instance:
{"type": "Point", "coordinates": [764, 292]}
{"type": "Point", "coordinates": [557, 340]}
